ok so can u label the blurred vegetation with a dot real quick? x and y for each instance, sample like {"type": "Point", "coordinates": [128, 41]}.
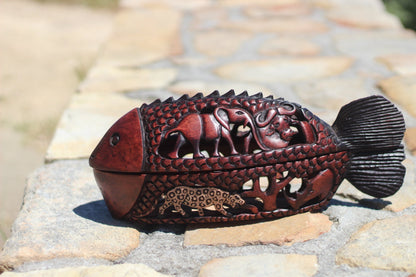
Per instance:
{"type": "Point", "coordinates": [102, 4]}
{"type": "Point", "coordinates": [405, 10]}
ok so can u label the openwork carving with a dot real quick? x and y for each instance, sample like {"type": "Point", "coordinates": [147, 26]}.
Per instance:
{"type": "Point", "coordinates": [238, 157]}
{"type": "Point", "coordinates": [199, 198]}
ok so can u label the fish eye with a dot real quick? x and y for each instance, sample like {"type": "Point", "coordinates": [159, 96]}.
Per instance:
{"type": "Point", "coordinates": [239, 112]}
{"type": "Point", "coordinates": [115, 138]}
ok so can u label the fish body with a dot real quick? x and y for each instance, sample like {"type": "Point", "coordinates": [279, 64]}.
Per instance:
{"type": "Point", "coordinates": [251, 148]}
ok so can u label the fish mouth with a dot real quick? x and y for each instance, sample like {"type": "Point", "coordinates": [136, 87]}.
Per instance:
{"type": "Point", "coordinates": [120, 190]}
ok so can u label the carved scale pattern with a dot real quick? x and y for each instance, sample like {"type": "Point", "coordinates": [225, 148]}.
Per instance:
{"type": "Point", "coordinates": [230, 172]}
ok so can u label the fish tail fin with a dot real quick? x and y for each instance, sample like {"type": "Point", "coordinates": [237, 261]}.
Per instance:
{"type": "Point", "coordinates": [372, 129]}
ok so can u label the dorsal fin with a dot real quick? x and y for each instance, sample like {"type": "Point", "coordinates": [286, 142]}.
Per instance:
{"type": "Point", "coordinates": [215, 93]}
{"type": "Point", "coordinates": [229, 93]}
{"type": "Point", "coordinates": [157, 101]}
{"type": "Point", "coordinates": [257, 95]}
{"type": "Point", "coordinates": [270, 97]}
{"type": "Point", "coordinates": [243, 94]}
{"type": "Point", "coordinates": [169, 100]}
{"type": "Point", "coordinates": [199, 95]}
{"type": "Point", "coordinates": [184, 97]}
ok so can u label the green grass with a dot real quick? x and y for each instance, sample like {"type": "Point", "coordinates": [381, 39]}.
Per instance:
{"type": "Point", "coordinates": [102, 4]}
{"type": "Point", "coordinates": [405, 10]}
{"type": "Point", "coordinates": [81, 71]}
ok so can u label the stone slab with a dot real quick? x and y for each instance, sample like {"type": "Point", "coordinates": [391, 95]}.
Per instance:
{"type": "Point", "coordinates": [402, 90]}
{"type": "Point", "coordinates": [356, 43]}
{"type": "Point", "coordinates": [277, 25]}
{"type": "Point", "coordinates": [331, 93]}
{"type": "Point", "coordinates": [269, 3]}
{"type": "Point", "coordinates": [410, 139]}
{"type": "Point", "coordinates": [262, 265]}
{"type": "Point", "coordinates": [107, 79]}
{"type": "Point", "coordinates": [279, 10]}
{"type": "Point", "coordinates": [284, 231]}
{"type": "Point", "coordinates": [293, 46]}
{"type": "Point", "coordinates": [64, 216]}
{"type": "Point", "coordinates": [84, 123]}
{"type": "Point", "coordinates": [285, 70]}
{"type": "Point", "coordinates": [364, 18]}
{"type": "Point", "coordinates": [387, 244]}
{"type": "Point", "coordinates": [216, 43]}
{"type": "Point", "coordinates": [121, 270]}
{"type": "Point", "coordinates": [182, 5]}
{"type": "Point", "coordinates": [403, 64]}
{"type": "Point", "coordinates": [142, 36]}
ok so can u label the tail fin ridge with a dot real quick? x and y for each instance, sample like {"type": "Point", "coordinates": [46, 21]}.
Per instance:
{"type": "Point", "coordinates": [372, 128]}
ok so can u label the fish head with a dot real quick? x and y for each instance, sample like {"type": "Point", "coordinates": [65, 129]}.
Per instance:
{"type": "Point", "coordinates": [121, 148]}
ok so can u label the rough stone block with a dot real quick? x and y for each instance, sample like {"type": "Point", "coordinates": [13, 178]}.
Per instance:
{"type": "Point", "coordinates": [410, 139]}
{"type": "Point", "coordinates": [143, 36]}
{"type": "Point", "coordinates": [402, 90]}
{"type": "Point", "coordinates": [331, 93]}
{"type": "Point", "coordinates": [262, 265]}
{"type": "Point", "coordinates": [289, 46]}
{"type": "Point", "coordinates": [121, 270]}
{"type": "Point", "coordinates": [383, 244]}
{"type": "Point", "coordinates": [64, 216]}
{"type": "Point", "coordinates": [107, 79]}
{"type": "Point", "coordinates": [355, 43]}
{"type": "Point", "coordinates": [284, 231]}
{"type": "Point", "coordinates": [277, 25]}
{"type": "Point", "coordinates": [364, 18]}
{"type": "Point", "coordinates": [226, 42]}
{"type": "Point", "coordinates": [403, 64]}
{"type": "Point", "coordinates": [285, 70]}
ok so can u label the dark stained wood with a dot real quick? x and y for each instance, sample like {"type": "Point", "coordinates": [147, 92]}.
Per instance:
{"type": "Point", "coordinates": [233, 158]}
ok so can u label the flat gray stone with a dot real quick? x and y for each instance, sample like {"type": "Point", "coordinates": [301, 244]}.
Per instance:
{"type": "Point", "coordinates": [285, 70]}
{"type": "Point", "coordinates": [331, 93]}
{"type": "Point", "coordinates": [356, 43]}
{"type": "Point", "coordinates": [142, 36]}
{"type": "Point", "coordinates": [401, 89]}
{"type": "Point", "coordinates": [387, 244]}
{"type": "Point", "coordinates": [64, 216]}
{"type": "Point", "coordinates": [117, 79]}
{"type": "Point", "coordinates": [121, 270]}
{"type": "Point", "coordinates": [262, 265]}
{"type": "Point", "coordinates": [283, 231]}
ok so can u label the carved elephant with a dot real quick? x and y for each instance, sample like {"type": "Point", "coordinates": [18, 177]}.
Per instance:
{"type": "Point", "coordinates": [208, 127]}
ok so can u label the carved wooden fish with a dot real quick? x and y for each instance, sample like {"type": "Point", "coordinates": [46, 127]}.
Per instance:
{"type": "Point", "coordinates": [237, 157]}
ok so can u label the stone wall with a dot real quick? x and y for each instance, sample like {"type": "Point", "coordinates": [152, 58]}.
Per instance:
{"type": "Point", "coordinates": [319, 53]}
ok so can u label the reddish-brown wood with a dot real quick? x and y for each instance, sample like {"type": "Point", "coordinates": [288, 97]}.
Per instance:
{"type": "Point", "coordinates": [169, 162]}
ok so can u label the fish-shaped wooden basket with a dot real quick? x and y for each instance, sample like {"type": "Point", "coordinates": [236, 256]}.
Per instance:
{"type": "Point", "coordinates": [220, 158]}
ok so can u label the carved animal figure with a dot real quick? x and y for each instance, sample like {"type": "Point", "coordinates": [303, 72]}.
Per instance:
{"type": "Point", "coordinates": [275, 127]}
{"type": "Point", "coordinates": [200, 198]}
{"type": "Point", "coordinates": [209, 127]}
{"type": "Point", "coordinates": [363, 146]}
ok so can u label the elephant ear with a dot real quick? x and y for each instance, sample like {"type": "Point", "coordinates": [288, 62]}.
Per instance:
{"type": "Point", "coordinates": [222, 117]}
